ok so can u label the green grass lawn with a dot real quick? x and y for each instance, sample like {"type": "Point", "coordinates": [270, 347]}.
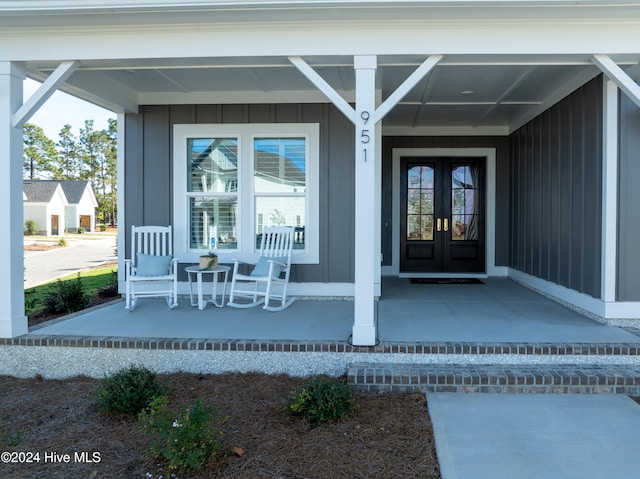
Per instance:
{"type": "Point", "coordinates": [92, 281]}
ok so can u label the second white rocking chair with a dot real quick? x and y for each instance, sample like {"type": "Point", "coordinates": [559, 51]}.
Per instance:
{"type": "Point", "coordinates": [272, 269]}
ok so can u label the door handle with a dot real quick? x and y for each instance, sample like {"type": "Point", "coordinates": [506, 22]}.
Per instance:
{"type": "Point", "coordinates": [446, 224]}
{"type": "Point", "coordinates": [438, 224]}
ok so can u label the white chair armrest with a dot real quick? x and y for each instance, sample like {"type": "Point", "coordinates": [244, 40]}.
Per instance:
{"type": "Point", "coordinates": [284, 265]}
{"type": "Point", "coordinates": [129, 268]}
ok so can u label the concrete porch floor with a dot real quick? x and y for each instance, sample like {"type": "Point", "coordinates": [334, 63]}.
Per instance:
{"type": "Point", "coordinates": [497, 311]}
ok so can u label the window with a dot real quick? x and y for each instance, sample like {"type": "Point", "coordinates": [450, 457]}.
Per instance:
{"type": "Point", "coordinates": [279, 184]}
{"type": "Point", "coordinates": [231, 181]}
{"type": "Point", "coordinates": [212, 191]}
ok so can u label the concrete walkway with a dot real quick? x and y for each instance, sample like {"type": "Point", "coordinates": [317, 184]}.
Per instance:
{"type": "Point", "coordinates": [531, 436]}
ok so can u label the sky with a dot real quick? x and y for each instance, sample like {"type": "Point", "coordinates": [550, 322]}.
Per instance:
{"type": "Point", "coordinates": [61, 109]}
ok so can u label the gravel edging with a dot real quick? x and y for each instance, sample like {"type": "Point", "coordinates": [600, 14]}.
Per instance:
{"type": "Point", "coordinates": [63, 362]}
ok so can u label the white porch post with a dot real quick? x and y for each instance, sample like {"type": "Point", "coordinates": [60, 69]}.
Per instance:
{"type": "Point", "coordinates": [609, 193]}
{"type": "Point", "coordinates": [368, 172]}
{"type": "Point", "coordinates": [13, 322]}
{"type": "Point", "coordinates": [364, 328]}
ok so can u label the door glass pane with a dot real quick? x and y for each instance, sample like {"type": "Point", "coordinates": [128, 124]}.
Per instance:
{"type": "Point", "coordinates": [420, 206]}
{"type": "Point", "coordinates": [426, 174]}
{"type": "Point", "coordinates": [280, 165]}
{"type": "Point", "coordinates": [464, 203]}
{"type": "Point", "coordinates": [413, 227]}
{"type": "Point", "coordinates": [208, 214]}
{"type": "Point", "coordinates": [413, 201]}
{"type": "Point", "coordinates": [427, 227]}
{"type": "Point", "coordinates": [213, 165]}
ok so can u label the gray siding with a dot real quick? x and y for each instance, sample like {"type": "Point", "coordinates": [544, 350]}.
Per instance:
{"type": "Point", "coordinates": [501, 144]}
{"type": "Point", "coordinates": [556, 192]}
{"type": "Point", "coordinates": [148, 172]}
{"type": "Point", "coordinates": [629, 202]}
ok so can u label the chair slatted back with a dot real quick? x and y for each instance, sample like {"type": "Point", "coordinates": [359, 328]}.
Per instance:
{"type": "Point", "coordinates": [277, 241]}
{"type": "Point", "coordinates": [153, 240]}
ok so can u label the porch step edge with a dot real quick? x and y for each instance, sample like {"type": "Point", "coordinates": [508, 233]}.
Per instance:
{"type": "Point", "coordinates": [476, 349]}
{"type": "Point", "coordinates": [496, 378]}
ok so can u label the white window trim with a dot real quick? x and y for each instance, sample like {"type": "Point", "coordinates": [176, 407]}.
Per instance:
{"type": "Point", "coordinates": [246, 133]}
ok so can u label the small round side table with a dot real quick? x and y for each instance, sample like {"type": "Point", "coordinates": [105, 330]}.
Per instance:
{"type": "Point", "coordinates": [199, 273]}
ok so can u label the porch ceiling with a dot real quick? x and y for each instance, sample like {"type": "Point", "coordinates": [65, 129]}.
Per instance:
{"type": "Point", "coordinates": [496, 92]}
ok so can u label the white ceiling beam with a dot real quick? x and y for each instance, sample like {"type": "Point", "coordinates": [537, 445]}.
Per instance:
{"type": "Point", "coordinates": [335, 98]}
{"type": "Point", "coordinates": [42, 94]}
{"type": "Point", "coordinates": [585, 75]}
{"type": "Point", "coordinates": [618, 76]}
{"type": "Point", "coordinates": [171, 80]}
{"type": "Point", "coordinates": [406, 86]}
{"type": "Point", "coordinates": [506, 93]}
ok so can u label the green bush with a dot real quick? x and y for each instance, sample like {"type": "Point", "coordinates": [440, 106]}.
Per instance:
{"type": "Point", "coordinates": [9, 437]}
{"type": "Point", "coordinates": [80, 230]}
{"type": "Point", "coordinates": [321, 400]}
{"type": "Point", "coordinates": [185, 440]}
{"type": "Point", "coordinates": [66, 297]}
{"type": "Point", "coordinates": [62, 242]}
{"type": "Point", "coordinates": [110, 289]}
{"type": "Point", "coordinates": [103, 227]}
{"type": "Point", "coordinates": [129, 390]}
{"type": "Point", "coordinates": [30, 228]}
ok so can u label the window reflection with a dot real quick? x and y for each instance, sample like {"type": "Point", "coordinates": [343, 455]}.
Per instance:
{"type": "Point", "coordinates": [464, 203]}
{"type": "Point", "coordinates": [280, 184]}
{"type": "Point", "coordinates": [214, 165]}
{"type": "Point", "coordinates": [213, 214]}
{"type": "Point", "coordinates": [420, 206]}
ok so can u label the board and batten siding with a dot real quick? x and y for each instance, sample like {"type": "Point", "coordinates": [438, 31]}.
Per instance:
{"type": "Point", "coordinates": [149, 182]}
{"type": "Point", "coordinates": [628, 287]}
{"type": "Point", "coordinates": [556, 192]}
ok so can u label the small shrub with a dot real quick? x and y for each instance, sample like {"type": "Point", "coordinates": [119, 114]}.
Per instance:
{"type": "Point", "coordinates": [129, 390]}
{"type": "Point", "coordinates": [30, 228]}
{"type": "Point", "coordinates": [321, 400]}
{"type": "Point", "coordinates": [110, 289]}
{"type": "Point", "coordinates": [9, 437]}
{"type": "Point", "coordinates": [62, 242]}
{"type": "Point", "coordinates": [80, 230]}
{"type": "Point", "coordinates": [103, 227]}
{"type": "Point", "coordinates": [30, 300]}
{"type": "Point", "coordinates": [66, 297]}
{"type": "Point", "coordinates": [185, 440]}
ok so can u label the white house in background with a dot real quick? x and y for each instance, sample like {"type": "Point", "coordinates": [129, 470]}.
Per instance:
{"type": "Point", "coordinates": [81, 210]}
{"type": "Point", "coordinates": [45, 204]}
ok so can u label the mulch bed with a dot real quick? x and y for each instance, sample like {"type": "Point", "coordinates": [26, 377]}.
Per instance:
{"type": "Point", "coordinates": [390, 435]}
{"type": "Point", "coordinates": [42, 317]}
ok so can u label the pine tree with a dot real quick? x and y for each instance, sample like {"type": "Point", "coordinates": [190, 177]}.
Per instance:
{"type": "Point", "coordinates": [40, 157]}
{"type": "Point", "coordinates": [67, 147]}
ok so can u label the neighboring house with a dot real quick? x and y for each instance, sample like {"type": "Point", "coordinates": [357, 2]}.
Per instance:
{"type": "Point", "coordinates": [415, 138]}
{"type": "Point", "coordinates": [81, 210]}
{"type": "Point", "coordinates": [45, 204]}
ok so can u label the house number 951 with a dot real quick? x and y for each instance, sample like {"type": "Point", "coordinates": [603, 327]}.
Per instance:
{"type": "Point", "coordinates": [364, 133]}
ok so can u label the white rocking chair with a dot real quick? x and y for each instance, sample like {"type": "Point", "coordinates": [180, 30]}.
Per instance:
{"type": "Point", "coordinates": [272, 269]}
{"type": "Point", "coordinates": [152, 270]}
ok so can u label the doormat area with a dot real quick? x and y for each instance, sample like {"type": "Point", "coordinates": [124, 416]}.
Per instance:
{"type": "Point", "coordinates": [445, 281]}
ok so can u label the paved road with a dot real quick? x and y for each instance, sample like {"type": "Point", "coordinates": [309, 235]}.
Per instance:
{"type": "Point", "coordinates": [45, 266]}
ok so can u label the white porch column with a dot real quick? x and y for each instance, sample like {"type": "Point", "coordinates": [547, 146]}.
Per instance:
{"type": "Point", "coordinates": [608, 277]}
{"type": "Point", "coordinates": [366, 256]}
{"type": "Point", "coordinates": [13, 322]}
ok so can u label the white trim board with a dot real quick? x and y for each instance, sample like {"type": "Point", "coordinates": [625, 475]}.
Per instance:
{"type": "Point", "coordinates": [598, 309]}
{"type": "Point", "coordinates": [490, 221]}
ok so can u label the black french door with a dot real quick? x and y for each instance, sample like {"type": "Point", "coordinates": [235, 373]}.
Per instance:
{"type": "Point", "coordinates": [442, 215]}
